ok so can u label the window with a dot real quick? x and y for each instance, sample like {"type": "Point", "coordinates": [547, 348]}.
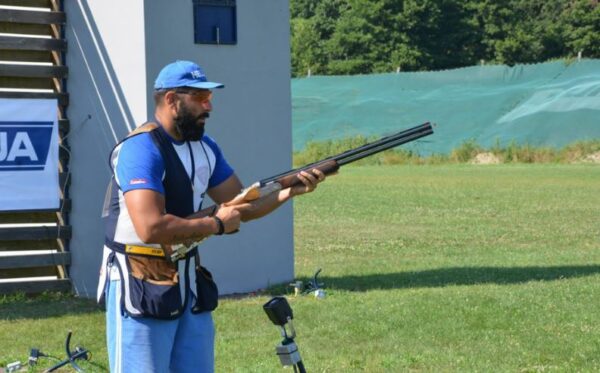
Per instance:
{"type": "Point", "coordinates": [215, 22]}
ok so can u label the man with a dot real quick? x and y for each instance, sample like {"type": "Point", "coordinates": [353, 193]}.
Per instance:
{"type": "Point", "coordinates": [161, 172]}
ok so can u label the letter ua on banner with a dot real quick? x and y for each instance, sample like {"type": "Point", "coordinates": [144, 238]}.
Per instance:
{"type": "Point", "coordinates": [24, 145]}
{"type": "Point", "coordinates": [28, 154]}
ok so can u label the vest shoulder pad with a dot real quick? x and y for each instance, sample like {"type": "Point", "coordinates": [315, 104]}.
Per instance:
{"type": "Point", "coordinates": [146, 127]}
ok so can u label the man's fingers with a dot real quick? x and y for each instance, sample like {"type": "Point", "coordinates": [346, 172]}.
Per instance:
{"type": "Point", "coordinates": [320, 175]}
{"type": "Point", "coordinates": [311, 179]}
{"type": "Point", "coordinates": [243, 206]}
{"type": "Point", "coordinates": [309, 185]}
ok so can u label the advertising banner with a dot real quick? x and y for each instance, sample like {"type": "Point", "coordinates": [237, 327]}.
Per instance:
{"type": "Point", "coordinates": [29, 154]}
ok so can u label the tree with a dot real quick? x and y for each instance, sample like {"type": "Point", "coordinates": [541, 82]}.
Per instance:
{"type": "Point", "coordinates": [366, 36]}
{"type": "Point", "coordinates": [582, 27]}
{"type": "Point", "coordinates": [307, 49]}
{"type": "Point", "coordinates": [310, 31]}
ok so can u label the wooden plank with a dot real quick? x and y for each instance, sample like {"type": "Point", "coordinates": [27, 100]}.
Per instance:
{"type": "Point", "coordinates": [63, 98]}
{"type": "Point", "coordinates": [35, 216]}
{"type": "Point", "coordinates": [28, 3]}
{"type": "Point", "coordinates": [9, 82]}
{"type": "Point", "coordinates": [28, 217]}
{"type": "Point", "coordinates": [35, 44]}
{"type": "Point", "coordinates": [33, 71]}
{"type": "Point", "coordinates": [65, 206]}
{"type": "Point", "coordinates": [15, 273]}
{"type": "Point", "coordinates": [63, 180]}
{"type": "Point", "coordinates": [63, 164]}
{"type": "Point", "coordinates": [29, 16]}
{"type": "Point", "coordinates": [55, 4]}
{"type": "Point", "coordinates": [24, 217]}
{"type": "Point", "coordinates": [30, 245]}
{"type": "Point", "coordinates": [58, 84]}
{"type": "Point", "coordinates": [63, 219]}
{"type": "Point", "coordinates": [36, 287]}
{"type": "Point", "coordinates": [35, 260]}
{"type": "Point", "coordinates": [63, 167]}
{"type": "Point", "coordinates": [26, 28]}
{"type": "Point", "coordinates": [64, 127]}
{"type": "Point", "coordinates": [63, 156]}
{"type": "Point", "coordinates": [62, 140]}
{"type": "Point", "coordinates": [25, 56]}
{"type": "Point", "coordinates": [35, 233]}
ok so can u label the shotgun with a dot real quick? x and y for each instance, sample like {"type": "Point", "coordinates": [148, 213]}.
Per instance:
{"type": "Point", "coordinates": [289, 178]}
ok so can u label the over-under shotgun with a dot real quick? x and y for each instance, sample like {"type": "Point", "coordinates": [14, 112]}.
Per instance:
{"type": "Point", "coordinates": [328, 166]}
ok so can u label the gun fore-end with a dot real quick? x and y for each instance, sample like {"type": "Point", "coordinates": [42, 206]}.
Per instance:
{"type": "Point", "coordinates": [327, 167]}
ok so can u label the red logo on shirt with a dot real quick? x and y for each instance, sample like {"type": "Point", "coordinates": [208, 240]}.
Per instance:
{"type": "Point", "coordinates": [137, 181]}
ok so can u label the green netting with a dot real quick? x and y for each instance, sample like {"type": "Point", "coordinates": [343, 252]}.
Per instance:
{"type": "Point", "coordinates": [550, 104]}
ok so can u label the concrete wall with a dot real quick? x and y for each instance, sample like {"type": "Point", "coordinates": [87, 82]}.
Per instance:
{"type": "Point", "coordinates": [114, 57]}
{"type": "Point", "coordinates": [251, 121]}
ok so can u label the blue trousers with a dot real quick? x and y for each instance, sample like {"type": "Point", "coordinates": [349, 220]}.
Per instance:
{"type": "Point", "coordinates": [157, 346]}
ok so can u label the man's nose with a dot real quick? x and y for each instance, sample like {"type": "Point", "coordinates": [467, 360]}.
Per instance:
{"type": "Point", "coordinates": [207, 105]}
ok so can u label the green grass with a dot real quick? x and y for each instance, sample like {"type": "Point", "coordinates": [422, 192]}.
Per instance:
{"type": "Point", "coordinates": [446, 268]}
{"type": "Point", "coordinates": [576, 152]}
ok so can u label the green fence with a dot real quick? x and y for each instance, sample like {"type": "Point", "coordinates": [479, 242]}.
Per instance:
{"type": "Point", "coordinates": [550, 104]}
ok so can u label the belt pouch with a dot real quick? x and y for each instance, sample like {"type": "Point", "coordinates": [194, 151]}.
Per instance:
{"type": "Point", "coordinates": [207, 293]}
{"type": "Point", "coordinates": [154, 287]}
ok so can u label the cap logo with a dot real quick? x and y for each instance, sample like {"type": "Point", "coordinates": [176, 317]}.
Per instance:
{"type": "Point", "coordinates": [196, 74]}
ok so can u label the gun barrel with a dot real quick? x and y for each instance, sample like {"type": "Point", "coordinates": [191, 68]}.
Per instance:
{"type": "Point", "coordinates": [385, 146]}
{"type": "Point", "coordinates": [366, 150]}
{"type": "Point", "coordinates": [383, 141]}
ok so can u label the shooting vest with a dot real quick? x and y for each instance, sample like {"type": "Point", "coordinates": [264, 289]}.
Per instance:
{"type": "Point", "coordinates": [151, 285]}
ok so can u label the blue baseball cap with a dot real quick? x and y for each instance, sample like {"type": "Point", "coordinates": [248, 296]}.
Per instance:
{"type": "Point", "coordinates": [183, 74]}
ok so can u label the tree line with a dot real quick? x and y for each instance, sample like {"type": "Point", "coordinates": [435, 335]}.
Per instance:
{"type": "Point", "coordinates": [340, 37]}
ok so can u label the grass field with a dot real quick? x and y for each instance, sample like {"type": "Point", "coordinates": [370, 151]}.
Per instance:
{"type": "Point", "coordinates": [427, 268]}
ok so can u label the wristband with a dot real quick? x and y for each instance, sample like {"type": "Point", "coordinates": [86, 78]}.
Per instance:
{"type": "Point", "coordinates": [220, 225]}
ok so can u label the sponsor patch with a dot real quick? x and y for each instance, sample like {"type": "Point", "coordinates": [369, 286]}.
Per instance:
{"type": "Point", "coordinates": [138, 181]}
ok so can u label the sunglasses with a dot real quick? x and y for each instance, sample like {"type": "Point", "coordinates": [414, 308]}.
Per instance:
{"type": "Point", "coordinates": [202, 95]}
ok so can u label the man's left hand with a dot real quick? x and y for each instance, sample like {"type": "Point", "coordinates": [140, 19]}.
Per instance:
{"type": "Point", "coordinates": [309, 180]}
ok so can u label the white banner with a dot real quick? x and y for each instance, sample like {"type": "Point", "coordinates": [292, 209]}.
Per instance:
{"type": "Point", "coordinates": [29, 154]}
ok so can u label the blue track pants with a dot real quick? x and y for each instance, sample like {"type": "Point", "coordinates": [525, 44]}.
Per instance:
{"type": "Point", "coordinates": [160, 346]}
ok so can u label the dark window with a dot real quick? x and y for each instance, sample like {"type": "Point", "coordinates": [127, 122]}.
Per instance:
{"type": "Point", "coordinates": [214, 22]}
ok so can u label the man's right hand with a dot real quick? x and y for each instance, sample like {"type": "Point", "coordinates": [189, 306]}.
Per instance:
{"type": "Point", "coordinates": [230, 216]}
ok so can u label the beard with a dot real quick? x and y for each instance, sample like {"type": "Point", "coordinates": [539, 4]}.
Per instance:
{"type": "Point", "coordinates": [188, 125]}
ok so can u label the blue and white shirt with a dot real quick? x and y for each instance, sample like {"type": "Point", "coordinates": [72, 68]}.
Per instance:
{"type": "Point", "coordinates": [138, 164]}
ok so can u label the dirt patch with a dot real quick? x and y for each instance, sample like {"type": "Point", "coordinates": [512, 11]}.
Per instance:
{"type": "Point", "coordinates": [485, 158]}
{"type": "Point", "coordinates": [592, 158]}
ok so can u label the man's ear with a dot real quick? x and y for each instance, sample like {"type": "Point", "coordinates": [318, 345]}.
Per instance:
{"type": "Point", "coordinates": [171, 100]}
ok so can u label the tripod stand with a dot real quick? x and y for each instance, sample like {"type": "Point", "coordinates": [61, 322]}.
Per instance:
{"type": "Point", "coordinates": [280, 313]}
